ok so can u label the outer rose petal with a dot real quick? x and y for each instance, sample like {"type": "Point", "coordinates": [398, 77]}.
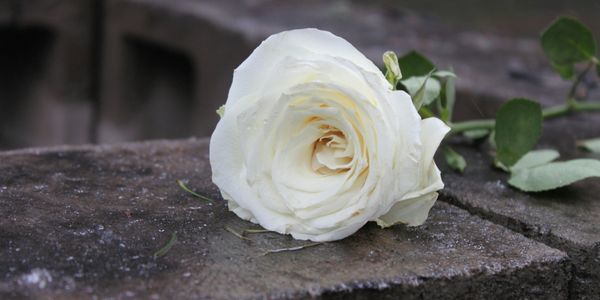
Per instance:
{"type": "Point", "coordinates": [412, 212]}
{"type": "Point", "coordinates": [251, 76]}
{"type": "Point", "coordinates": [414, 207]}
{"type": "Point", "coordinates": [432, 133]}
{"type": "Point", "coordinates": [228, 167]}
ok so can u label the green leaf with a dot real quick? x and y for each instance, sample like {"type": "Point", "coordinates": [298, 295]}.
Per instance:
{"type": "Point", "coordinates": [565, 71]}
{"type": "Point", "coordinates": [476, 134]}
{"type": "Point", "coordinates": [415, 64]}
{"type": "Point", "coordinates": [567, 41]}
{"type": "Point", "coordinates": [518, 128]}
{"type": "Point", "coordinates": [554, 175]}
{"type": "Point", "coordinates": [591, 145]}
{"type": "Point", "coordinates": [454, 159]}
{"type": "Point", "coordinates": [423, 89]}
{"type": "Point", "coordinates": [535, 158]}
{"type": "Point", "coordinates": [392, 69]}
{"type": "Point", "coordinates": [598, 69]}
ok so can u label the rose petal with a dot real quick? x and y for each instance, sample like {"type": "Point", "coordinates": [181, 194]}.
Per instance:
{"type": "Point", "coordinates": [432, 133]}
{"type": "Point", "coordinates": [412, 212]}
{"type": "Point", "coordinates": [293, 43]}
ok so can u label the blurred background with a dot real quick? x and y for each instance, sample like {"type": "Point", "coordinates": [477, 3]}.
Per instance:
{"type": "Point", "coordinates": [105, 71]}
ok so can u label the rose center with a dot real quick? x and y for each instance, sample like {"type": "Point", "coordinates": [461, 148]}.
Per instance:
{"type": "Point", "coordinates": [331, 152]}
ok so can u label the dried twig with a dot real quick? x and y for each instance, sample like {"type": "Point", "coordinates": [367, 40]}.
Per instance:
{"type": "Point", "coordinates": [241, 236]}
{"type": "Point", "coordinates": [255, 231]}
{"type": "Point", "coordinates": [291, 248]}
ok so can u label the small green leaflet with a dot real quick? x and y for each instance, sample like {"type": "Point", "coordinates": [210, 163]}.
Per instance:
{"type": "Point", "coordinates": [535, 158]}
{"type": "Point", "coordinates": [517, 130]}
{"type": "Point", "coordinates": [567, 41]}
{"type": "Point", "coordinates": [591, 145]}
{"type": "Point", "coordinates": [415, 64]}
{"type": "Point", "coordinates": [423, 89]}
{"type": "Point", "coordinates": [554, 175]}
{"type": "Point", "coordinates": [454, 159]}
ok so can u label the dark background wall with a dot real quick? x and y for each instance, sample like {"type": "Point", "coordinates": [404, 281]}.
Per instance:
{"type": "Point", "coordinates": [94, 71]}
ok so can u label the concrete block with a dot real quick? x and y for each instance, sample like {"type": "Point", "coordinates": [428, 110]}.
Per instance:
{"type": "Point", "coordinates": [567, 218]}
{"type": "Point", "coordinates": [168, 64]}
{"type": "Point", "coordinates": [166, 70]}
{"type": "Point", "coordinates": [46, 75]}
{"type": "Point", "coordinates": [84, 222]}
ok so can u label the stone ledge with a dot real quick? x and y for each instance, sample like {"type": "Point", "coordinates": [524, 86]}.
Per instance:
{"type": "Point", "coordinates": [84, 221]}
{"type": "Point", "coordinates": [567, 218]}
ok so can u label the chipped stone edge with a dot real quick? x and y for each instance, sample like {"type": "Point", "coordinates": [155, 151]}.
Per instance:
{"type": "Point", "coordinates": [578, 254]}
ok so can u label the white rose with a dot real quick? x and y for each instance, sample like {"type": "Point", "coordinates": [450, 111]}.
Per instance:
{"type": "Point", "coordinates": [315, 143]}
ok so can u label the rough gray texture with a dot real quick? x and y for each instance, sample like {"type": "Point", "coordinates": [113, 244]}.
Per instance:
{"type": "Point", "coordinates": [567, 218]}
{"type": "Point", "coordinates": [78, 222]}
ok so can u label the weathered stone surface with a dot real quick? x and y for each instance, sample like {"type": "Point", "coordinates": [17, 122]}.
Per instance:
{"type": "Point", "coordinates": [567, 218]}
{"type": "Point", "coordinates": [79, 222]}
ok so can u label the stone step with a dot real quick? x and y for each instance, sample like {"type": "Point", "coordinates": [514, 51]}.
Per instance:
{"type": "Point", "coordinates": [85, 222]}
{"type": "Point", "coordinates": [567, 218]}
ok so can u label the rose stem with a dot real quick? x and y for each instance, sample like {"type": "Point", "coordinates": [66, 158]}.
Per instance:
{"type": "Point", "coordinates": [548, 113]}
